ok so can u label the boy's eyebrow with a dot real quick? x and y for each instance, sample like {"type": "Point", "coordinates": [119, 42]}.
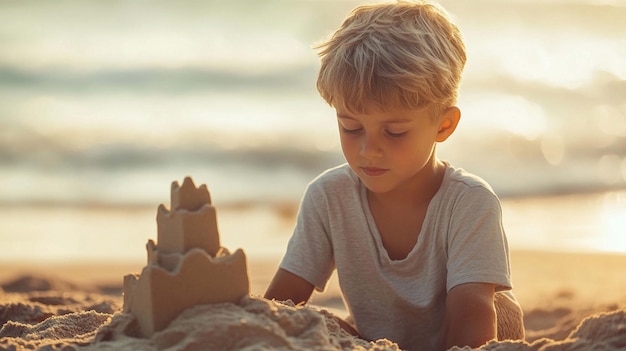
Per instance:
{"type": "Point", "coordinates": [344, 117]}
{"type": "Point", "coordinates": [393, 120]}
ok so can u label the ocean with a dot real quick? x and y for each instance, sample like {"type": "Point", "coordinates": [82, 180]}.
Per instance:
{"type": "Point", "coordinates": [104, 103]}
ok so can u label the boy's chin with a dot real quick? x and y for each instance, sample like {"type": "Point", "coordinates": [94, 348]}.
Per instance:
{"type": "Point", "coordinates": [376, 186]}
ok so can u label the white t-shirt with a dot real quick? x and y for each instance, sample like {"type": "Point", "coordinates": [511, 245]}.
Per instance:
{"type": "Point", "coordinates": [461, 241]}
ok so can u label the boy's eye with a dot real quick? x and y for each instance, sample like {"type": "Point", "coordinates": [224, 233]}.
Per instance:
{"type": "Point", "coordinates": [395, 134]}
{"type": "Point", "coordinates": [350, 131]}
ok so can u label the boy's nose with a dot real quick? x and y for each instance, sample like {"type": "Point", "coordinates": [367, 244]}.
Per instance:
{"type": "Point", "coordinates": [370, 148]}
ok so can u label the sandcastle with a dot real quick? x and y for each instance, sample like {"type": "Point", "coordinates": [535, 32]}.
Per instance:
{"type": "Point", "coordinates": [187, 266]}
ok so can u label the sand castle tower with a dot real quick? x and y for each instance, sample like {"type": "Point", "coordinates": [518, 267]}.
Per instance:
{"type": "Point", "coordinates": [187, 266]}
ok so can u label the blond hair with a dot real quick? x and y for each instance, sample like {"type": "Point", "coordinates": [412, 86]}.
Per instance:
{"type": "Point", "coordinates": [405, 55]}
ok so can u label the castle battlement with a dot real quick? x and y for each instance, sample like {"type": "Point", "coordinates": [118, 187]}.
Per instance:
{"type": "Point", "coordinates": [188, 197]}
{"type": "Point", "coordinates": [186, 266]}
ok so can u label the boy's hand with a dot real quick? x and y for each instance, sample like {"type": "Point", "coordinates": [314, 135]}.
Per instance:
{"type": "Point", "coordinates": [288, 286]}
{"type": "Point", "coordinates": [470, 315]}
{"type": "Point", "coordinates": [347, 327]}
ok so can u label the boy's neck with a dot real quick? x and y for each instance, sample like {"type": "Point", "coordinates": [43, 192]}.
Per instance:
{"type": "Point", "coordinates": [416, 193]}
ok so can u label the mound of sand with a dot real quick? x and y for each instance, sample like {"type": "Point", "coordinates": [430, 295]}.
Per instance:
{"type": "Point", "coordinates": [37, 318]}
{"type": "Point", "coordinates": [601, 331]}
{"type": "Point", "coordinates": [251, 324]}
{"type": "Point", "coordinates": [72, 320]}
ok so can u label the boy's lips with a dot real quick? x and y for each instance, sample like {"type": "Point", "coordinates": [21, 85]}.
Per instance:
{"type": "Point", "coordinates": [373, 171]}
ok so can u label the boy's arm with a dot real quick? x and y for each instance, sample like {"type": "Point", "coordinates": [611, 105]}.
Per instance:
{"type": "Point", "coordinates": [470, 315]}
{"type": "Point", "coordinates": [288, 286]}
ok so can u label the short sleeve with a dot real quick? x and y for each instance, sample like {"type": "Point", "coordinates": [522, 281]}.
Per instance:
{"type": "Point", "coordinates": [477, 247]}
{"type": "Point", "coordinates": [309, 251]}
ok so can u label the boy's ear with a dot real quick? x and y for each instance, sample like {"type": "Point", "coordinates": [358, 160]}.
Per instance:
{"type": "Point", "coordinates": [447, 124]}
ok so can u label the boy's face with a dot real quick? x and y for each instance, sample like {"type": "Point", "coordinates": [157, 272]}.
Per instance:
{"type": "Point", "coordinates": [388, 150]}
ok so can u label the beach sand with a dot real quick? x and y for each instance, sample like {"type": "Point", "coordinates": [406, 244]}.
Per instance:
{"type": "Point", "coordinates": [77, 305]}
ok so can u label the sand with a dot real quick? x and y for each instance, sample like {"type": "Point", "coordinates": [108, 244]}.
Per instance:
{"type": "Point", "coordinates": [571, 302]}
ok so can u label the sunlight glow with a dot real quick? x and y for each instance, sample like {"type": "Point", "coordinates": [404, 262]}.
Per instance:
{"type": "Point", "coordinates": [609, 169]}
{"type": "Point", "coordinates": [610, 120]}
{"type": "Point", "coordinates": [553, 148]}
{"type": "Point", "coordinates": [562, 59]}
{"type": "Point", "coordinates": [613, 223]}
{"type": "Point", "coordinates": [511, 113]}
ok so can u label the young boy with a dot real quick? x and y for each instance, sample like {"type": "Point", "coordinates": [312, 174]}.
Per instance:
{"type": "Point", "coordinates": [418, 245]}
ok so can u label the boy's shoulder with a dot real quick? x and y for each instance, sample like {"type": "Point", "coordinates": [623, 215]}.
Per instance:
{"type": "Point", "coordinates": [458, 180]}
{"type": "Point", "coordinates": [341, 175]}
{"type": "Point", "coordinates": [464, 196]}
{"type": "Point", "coordinates": [339, 181]}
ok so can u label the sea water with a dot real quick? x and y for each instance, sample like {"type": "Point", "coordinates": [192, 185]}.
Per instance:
{"type": "Point", "coordinates": [104, 103]}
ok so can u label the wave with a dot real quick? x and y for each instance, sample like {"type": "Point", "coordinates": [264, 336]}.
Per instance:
{"type": "Point", "coordinates": [133, 156]}
{"type": "Point", "coordinates": [259, 175]}
{"type": "Point", "coordinates": [156, 80]}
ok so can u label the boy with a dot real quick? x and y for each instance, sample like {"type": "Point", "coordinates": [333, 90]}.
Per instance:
{"type": "Point", "coordinates": [418, 244]}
